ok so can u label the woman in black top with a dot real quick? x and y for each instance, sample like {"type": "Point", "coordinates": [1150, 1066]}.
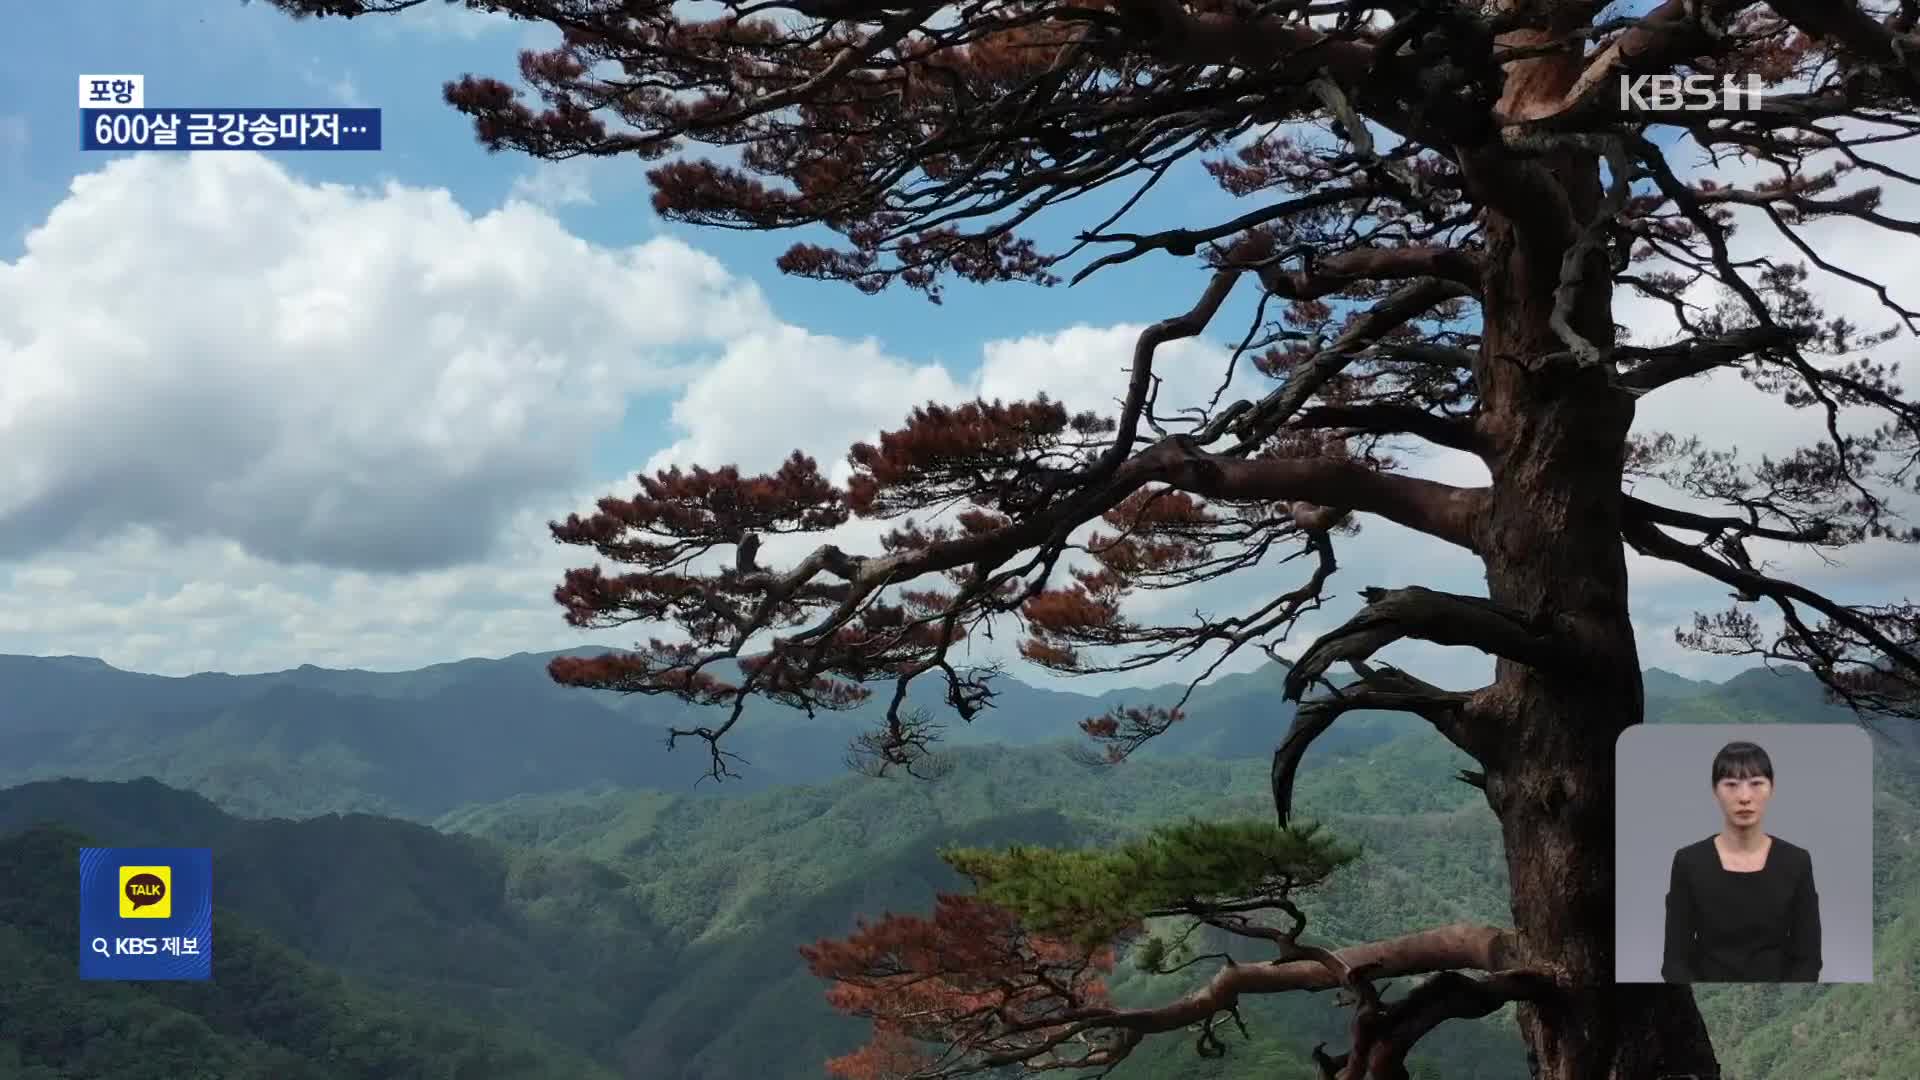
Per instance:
{"type": "Point", "coordinates": [1741, 906]}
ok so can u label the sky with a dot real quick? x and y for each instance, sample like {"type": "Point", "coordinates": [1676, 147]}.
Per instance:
{"type": "Point", "coordinates": [258, 411]}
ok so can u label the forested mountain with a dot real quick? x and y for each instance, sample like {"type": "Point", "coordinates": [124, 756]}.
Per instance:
{"type": "Point", "coordinates": [418, 744]}
{"type": "Point", "coordinates": [658, 931]}
{"type": "Point", "coordinates": [655, 930]}
{"type": "Point", "coordinates": [272, 1013]}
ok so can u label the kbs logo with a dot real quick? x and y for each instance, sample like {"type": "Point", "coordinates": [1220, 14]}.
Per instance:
{"type": "Point", "coordinates": [146, 892]}
{"type": "Point", "coordinates": [1689, 93]}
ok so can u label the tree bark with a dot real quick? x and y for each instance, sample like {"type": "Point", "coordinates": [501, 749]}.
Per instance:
{"type": "Point", "coordinates": [1551, 542]}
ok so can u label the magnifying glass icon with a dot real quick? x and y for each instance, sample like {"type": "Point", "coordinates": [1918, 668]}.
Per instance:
{"type": "Point", "coordinates": [100, 946]}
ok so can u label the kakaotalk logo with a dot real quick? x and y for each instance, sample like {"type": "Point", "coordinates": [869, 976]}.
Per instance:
{"type": "Point", "coordinates": [146, 892]}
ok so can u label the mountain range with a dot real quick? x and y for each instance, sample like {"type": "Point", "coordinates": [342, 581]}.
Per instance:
{"type": "Point", "coordinates": [467, 871]}
{"type": "Point", "coordinates": [417, 744]}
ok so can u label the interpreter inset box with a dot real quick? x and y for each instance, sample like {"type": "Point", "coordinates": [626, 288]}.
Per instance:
{"type": "Point", "coordinates": [1743, 854]}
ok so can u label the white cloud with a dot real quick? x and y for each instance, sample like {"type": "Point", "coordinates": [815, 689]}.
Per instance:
{"type": "Point", "coordinates": [50, 578]}
{"type": "Point", "coordinates": [208, 346]}
{"type": "Point", "coordinates": [1726, 412]}
{"type": "Point", "coordinates": [773, 393]}
{"type": "Point", "coordinates": [555, 184]}
{"type": "Point", "coordinates": [146, 602]}
{"type": "Point", "coordinates": [442, 19]}
{"type": "Point", "coordinates": [326, 425]}
{"type": "Point", "coordinates": [340, 90]}
{"type": "Point", "coordinates": [1085, 368]}
{"type": "Point", "coordinates": [777, 390]}
{"type": "Point", "coordinates": [1722, 408]}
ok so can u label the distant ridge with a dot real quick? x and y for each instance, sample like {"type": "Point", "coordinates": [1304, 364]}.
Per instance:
{"type": "Point", "coordinates": [417, 744]}
{"type": "Point", "coordinates": [1653, 676]}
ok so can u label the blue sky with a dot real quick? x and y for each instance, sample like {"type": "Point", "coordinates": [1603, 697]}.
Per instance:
{"type": "Point", "coordinates": [224, 52]}
{"type": "Point", "coordinates": [259, 411]}
{"type": "Point", "coordinates": [212, 52]}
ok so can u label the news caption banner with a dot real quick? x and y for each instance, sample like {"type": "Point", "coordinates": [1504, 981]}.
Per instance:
{"type": "Point", "coordinates": [114, 116]}
{"type": "Point", "coordinates": [146, 914]}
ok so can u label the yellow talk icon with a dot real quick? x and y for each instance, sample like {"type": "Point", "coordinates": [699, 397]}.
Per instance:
{"type": "Point", "coordinates": [146, 892]}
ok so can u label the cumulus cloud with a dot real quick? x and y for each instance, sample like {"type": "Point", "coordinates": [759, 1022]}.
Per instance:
{"type": "Point", "coordinates": [784, 388]}
{"type": "Point", "coordinates": [1721, 408]}
{"type": "Point", "coordinates": [1085, 368]}
{"type": "Point", "coordinates": [776, 392]}
{"type": "Point", "coordinates": [1726, 412]}
{"type": "Point", "coordinates": [205, 345]}
{"type": "Point", "coordinates": [724, 418]}
{"type": "Point", "coordinates": [248, 422]}
{"type": "Point", "coordinates": [146, 602]}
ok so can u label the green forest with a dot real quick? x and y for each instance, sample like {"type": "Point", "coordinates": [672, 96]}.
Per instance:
{"type": "Point", "coordinates": [583, 926]}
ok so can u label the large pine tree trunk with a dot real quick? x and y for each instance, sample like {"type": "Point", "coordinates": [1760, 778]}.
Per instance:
{"type": "Point", "coordinates": [1555, 808]}
{"type": "Point", "coordinates": [1552, 549]}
